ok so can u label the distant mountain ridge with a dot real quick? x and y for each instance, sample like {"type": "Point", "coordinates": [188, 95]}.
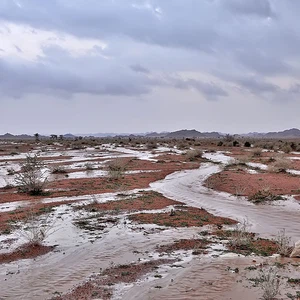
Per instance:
{"type": "Point", "coordinates": [185, 133]}
{"type": "Point", "coordinates": [288, 133]}
{"type": "Point", "coordinates": [179, 134]}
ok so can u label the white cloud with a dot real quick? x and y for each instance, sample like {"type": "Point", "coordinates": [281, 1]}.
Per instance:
{"type": "Point", "coordinates": [26, 42]}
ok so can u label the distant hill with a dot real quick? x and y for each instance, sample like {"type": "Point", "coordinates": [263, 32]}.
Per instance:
{"type": "Point", "coordinates": [193, 134]}
{"type": "Point", "coordinates": [9, 136]}
{"type": "Point", "coordinates": [69, 136]}
{"type": "Point", "coordinates": [285, 134]}
{"type": "Point", "coordinates": [157, 134]}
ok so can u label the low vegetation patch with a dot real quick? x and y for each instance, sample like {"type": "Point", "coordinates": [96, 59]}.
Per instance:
{"type": "Point", "coordinates": [247, 243]}
{"type": "Point", "coordinates": [182, 217]}
{"type": "Point", "coordinates": [198, 246]}
{"type": "Point", "coordinates": [193, 155]}
{"type": "Point", "coordinates": [142, 201]}
{"type": "Point", "coordinates": [264, 195]}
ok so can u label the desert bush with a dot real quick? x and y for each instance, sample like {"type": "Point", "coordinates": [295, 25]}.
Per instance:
{"type": "Point", "coordinates": [152, 145]}
{"type": "Point", "coordinates": [182, 146]}
{"type": "Point", "coordinates": [286, 149]}
{"type": "Point", "coordinates": [247, 144]}
{"type": "Point", "coordinates": [283, 242]}
{"type": "Point", "coordinates": [243, 160]}
{"type": "Point", "coordinates": [235, 144]}
{"type": "Point", "coordinates": [257, 152]}
{"type": "Point", "coordinates": [263, 194]}
{"type": "Point", "coordinates": [193, 155]}
{"type": "Point", "coordinates": [228, 138]}
{"type": "Point", "coordinates": [210, 182]}
{"type": "Point", "coordinates": [281, 164]}
{"type": "Point", "coordinates": [10, 171]}
{"type": "Point", "coordinates": [35, 229]}
{"type": "Point", "coordinates": [116, 169]}
{"type": "Point", "coordinates": [240, 190]}
{"type": "Point", "coordinates": [58, 170]}
{"type": "Point", "coordinates": [269, 282]}
{"type": "Point", "coordinates": [89, 166]}
{"type": "Point", "coordinates": [32, 178]}
{"type": "Point", "coordinates": [241, 235]}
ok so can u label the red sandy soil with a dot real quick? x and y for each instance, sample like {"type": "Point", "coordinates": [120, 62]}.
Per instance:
{"type": "Point", "coordinates": [83, 162]}
{"type": "Point", "coordinates": [266, 158]}
{"type": "Point", "coordinates": [232, 180]}
{"type": "Point", "coordinates": [171, 157]}
{"type": "Point", "coordinates": [24, 252]}
{"type": "Point", "coordinates": [185, 217]}
{"type": "Point", "coordinates": [90, 186]}
{"type": "Point", "coordinates": [99, 286]}
{"type": "Point", "coordinates": [85, 186]}
{"type": "Point", "coordinates": [198, 245]}
{"type": "Point", "coordinates": [7, 149]}
{"type": "Point", "coordinates": [295, 164]}
{"type": "Point", "coordinates": [145, 201]}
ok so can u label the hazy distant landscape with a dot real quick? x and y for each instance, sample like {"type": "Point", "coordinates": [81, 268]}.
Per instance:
{"type": "Point", "coordinates": [289, 133]}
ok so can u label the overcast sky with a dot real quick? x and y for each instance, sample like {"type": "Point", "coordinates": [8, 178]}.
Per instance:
{"type": "Point", "coordinates": [87, 66]}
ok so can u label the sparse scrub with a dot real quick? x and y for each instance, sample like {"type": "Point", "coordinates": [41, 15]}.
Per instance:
{"type": "Point", "coordinates": [116, 169]}
{"type": "Point", "coordinates": [58, 170]}
{"type": "Point", "coordinates": [241, 235]}
{"type": "Point", "coordinates": [287, 148]}
{"type": "Point", "coordinates": [151, 145]}
{"type": "Point", "coordinates": [32, 178]}
{"type": "Point", "coordinates": [283, 242]}
{"type": "Point", "coordinates": [243, 160]}
{"type": "Point", "coordinates": [193, 155]}
{"type": "Point", "coordinates": [262, 195]}
{"type": "Point", "coordinates": [10, 171]}
{"type": "Point", "coordinates": [89, 166]}
{"type": "Point", "coordinates": [210, 182]}
{"type": "Point", "coordinates": [281, 164]}
{"type": "Point", "coordinates": [240, 190]}
{"type": "Point", "coordinates": [269, 282]}
{"type": "Point", "coordinates": [36, 228]}
{"type": "Point", "coordinates": [257, 152]}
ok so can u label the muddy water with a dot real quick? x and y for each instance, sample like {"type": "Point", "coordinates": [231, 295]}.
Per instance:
{"type": "Point", "coordinates": [187, 187]}
{"type": "Point", "coordinates": [211, 279]}
{"type": "Point", "coordinates": [201, 279]}
{"type": "Point", "coordinates": [77, 257]}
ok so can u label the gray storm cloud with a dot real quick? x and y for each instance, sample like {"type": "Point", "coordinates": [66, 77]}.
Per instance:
{"type": "Point", "coordinates": [213, 50]}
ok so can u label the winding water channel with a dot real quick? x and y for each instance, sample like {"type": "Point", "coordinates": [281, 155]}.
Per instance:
{"type": "Point", "coordinates": [77, 257]}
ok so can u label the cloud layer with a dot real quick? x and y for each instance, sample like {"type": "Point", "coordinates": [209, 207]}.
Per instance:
{"type": "Point", "coordinates": [205, 51]}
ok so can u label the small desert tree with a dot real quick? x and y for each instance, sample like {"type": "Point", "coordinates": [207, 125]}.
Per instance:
{"type": "Point", "coordinates": [37, 137]}
{"type": "Point", "coordinates": [31, 179]}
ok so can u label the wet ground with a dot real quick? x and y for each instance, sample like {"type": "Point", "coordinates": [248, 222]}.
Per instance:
{"type": "Point", "coordinates": [93, 233]}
